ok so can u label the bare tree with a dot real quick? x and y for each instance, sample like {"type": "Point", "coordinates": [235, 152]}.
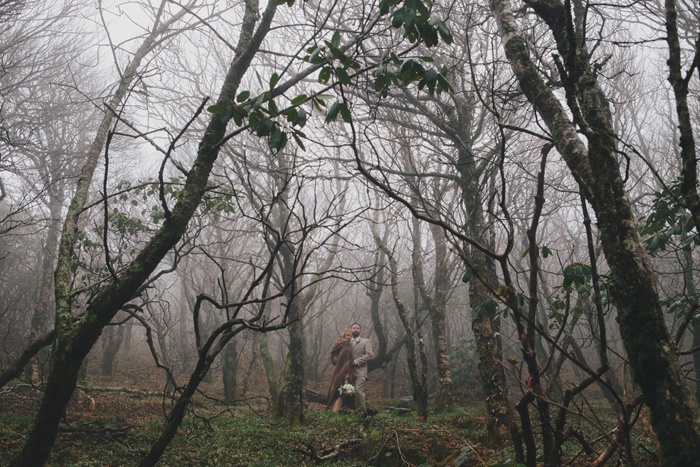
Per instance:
{"type": "Point", "coordinates": [413, 341]}
{"type": "Point", "coordinates": [596, 169]}
{"type": "Point", "coordinates": [75, 337]}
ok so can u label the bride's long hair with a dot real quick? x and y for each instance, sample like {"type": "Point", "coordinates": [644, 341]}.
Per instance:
{"type": "Point", "coordinates": [345, 336]}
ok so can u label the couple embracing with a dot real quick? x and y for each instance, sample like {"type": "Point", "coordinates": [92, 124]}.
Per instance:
{"type": "Point", "coordinates": [350, 355]}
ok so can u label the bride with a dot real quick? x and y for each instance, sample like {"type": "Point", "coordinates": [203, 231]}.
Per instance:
{"type": "Point", "coordinates": [341, 356]}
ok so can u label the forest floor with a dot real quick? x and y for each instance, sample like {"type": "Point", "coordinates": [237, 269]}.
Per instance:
{"type": "Point", "coordinates": [117, 429]}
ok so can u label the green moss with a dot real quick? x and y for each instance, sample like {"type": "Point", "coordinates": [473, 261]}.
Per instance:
{"type": "Point", "coordinates": [240, 437]}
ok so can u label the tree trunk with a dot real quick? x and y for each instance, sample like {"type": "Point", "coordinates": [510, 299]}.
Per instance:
{"type": "Point", "coordinates": [314, 341]}
{"type": "Point", "coordinates": [74, 339]}
{"type": "Point", "coordinates": [15, 370]}
{"type": "Point", "coordinates": [383, 355]}
{"type": "Point", "coordinates": [594, 165]}
{"type": "Point", "coordinates": [393, 366]}
{"type": "Point", "coordinates": [184, 333]}
{"type": "Point", "coordinates": [269, 367]}
{"type": "Point", "coordinates": [485, 325]}
{"type": "Point", "coordinates": [230, 372]}
{"type": "Point", "coordinates": [290, 397]}
{"type": "Point", "coordinates": [418, 375]}
{"type": "Point", "coordinates": [686, 140]}
{"type": "Point", "coordinates": [252, 364]}
{"type": "Point", "coordinates": [696, 360]}
{"type": "Point", "coordinates": [44, 306]}
{"type": "Point", "coordinates": [689, 278]}
{"type": "Point", "coordinates": [438, 319]}
{"type": "Point", "coordinates": [112, 340]}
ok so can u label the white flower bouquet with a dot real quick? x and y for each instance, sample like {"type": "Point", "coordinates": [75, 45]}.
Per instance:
{"type": "Point", "coordinates": [347, 389]}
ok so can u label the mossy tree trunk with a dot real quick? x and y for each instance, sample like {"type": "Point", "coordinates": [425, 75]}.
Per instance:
{"type": "Point", "coordinates": [290, 391]}
{"type": "Point", "coordinates": [267, 361]}
{"type": "Point", "coordinates": [290, 396]}
{"type": "Point", "coordinates": [594, 165]}
{"type": "Point", "coordinates": [681, 89]}
{"type": "Point", "coordinates": [688, 152]}
{"type": "Point", "coordinates": [485, 325]}
{"type": "Point", "coordinates": [76, 337]}
{"type": "Point", "coordinates": [436, 305]}
{"type": "Point", "coordinates": [292, 231]}
{"type": "Point", "coordinates": [460, 126]}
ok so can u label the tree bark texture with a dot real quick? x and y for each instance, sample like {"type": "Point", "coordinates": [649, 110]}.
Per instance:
{"type": "Point", "coordinates": [435, 306]}
{"type": "Point", "coordinates": [691, 292]}
{"type": "Point", "coordinates": [112, 340]}
{"type": "Point", "coordinates": [438, 319]}
{"type": "Point", "coordinates": [375, 289]}
{"type": "Point", "coordinates": [485, 326]}
{"type": "Point", "coordinates": [291, 236]}
{"type": "Point", "coordinates": [689, 170]}
{"type": "Point", "coordinates": [290, 396]}
{"type": "Point", "coordinates": [417, 375]}
{"type": "Point", "coordinates": [594, 166]}
{"type": "Point", "coordinates": [269, 367]}
{"type": "Point", "coordinates": [15, 370]}
{"type": "Point", "coordinates": [290, 391]}
{"type": "Point", "coordinates": [74, 339]}
{"type": "Point", "coordinates": [44, 305]}
{"type": "Point", "coordinates": [230, 372]}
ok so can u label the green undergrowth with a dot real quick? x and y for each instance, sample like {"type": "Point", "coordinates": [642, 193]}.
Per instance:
{"type": "Point", "coordinates": [118, 430]}
{"type": "Point", "coordinates": [242, 437]}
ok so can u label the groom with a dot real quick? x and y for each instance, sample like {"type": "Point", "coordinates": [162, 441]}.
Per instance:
{"type": "Point", "coordinates": [361, 354]}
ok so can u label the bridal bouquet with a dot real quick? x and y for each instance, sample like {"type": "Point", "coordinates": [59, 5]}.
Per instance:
{"type": "Point", "coordinates": [347, 389]}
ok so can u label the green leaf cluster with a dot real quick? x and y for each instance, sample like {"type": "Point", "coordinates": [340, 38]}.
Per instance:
{"type": "Point", "coordinates": [415, 19]}
{"type": "Point", "coordinates": [220, 201]}
{"type": "Point", "coordinates": [338, 108]}
{"type": "Point", "coordinates": [401, 73]}
{"type": "Point", "coordinates": [679, 305]}
{"type": "Point", "coordinates": [261, 114]}
{"type": "Point", "coordinates": [336, 62]}
{"type": "Point", "coordinates": [264, 118]}
{"type": "Point", "coordinates": [331, 54]}
{"type": "Point", "coordinates": [338, 65]}
{"type": "Point", "coordinates": [124, 224]}
{"type": "Point", "coordinates": [487, 307]}
{"type": "Point", "coordinates": [577, 274]}
{"type": "Point", "coordinates": [544, 250]}
{"type": "Point", "coordinates": [577, 279]}
{"type": "Point", "coordinates": [665, 221]}
{"type": "Point", "coordinates": [471, 272]}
